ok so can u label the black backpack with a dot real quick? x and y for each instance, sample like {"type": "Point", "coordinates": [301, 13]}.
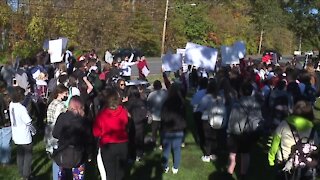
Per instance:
{"type": "Point", "coordinates": [309, 93]}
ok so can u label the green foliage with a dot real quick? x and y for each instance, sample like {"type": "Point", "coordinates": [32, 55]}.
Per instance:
{"type": "Point", "coordinates": [305, 20]}
{"type": "Point", "coordinates": [267, 14]}
{"type": "Point", "coordinates": [36, 29]}
{"type": "Point", "coordinates": [5, 14]}
{"type": "Point", "coordinates": [24, 49]}
{"type": "Point", "coordinates": [139, 35]}
{"type": "Point", "coordinates": [138, 24]}
{"type": "Point", "coordinates": [65, 28]}
{"type": "Point", "coordinates": [189, 22]}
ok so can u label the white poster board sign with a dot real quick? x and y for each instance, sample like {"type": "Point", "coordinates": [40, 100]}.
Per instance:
{"type": "Point", "coordinates": [171, 62]}
{"type": "Point", "coordinates": [228, 56]}
{"type": "Point", "coordinates": [201, 56]}
{"type": "Point", "coordinates": [181, 51]}
{"type": "Point", "coordinates": [55, 50]}
{"type": "Point", "coordinates": [239, 49]}
{"type": "Point", "coordinates": [145, 71]}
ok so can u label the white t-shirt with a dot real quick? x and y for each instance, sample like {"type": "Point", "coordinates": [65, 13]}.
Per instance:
{"type": "Point", "coordinates": [126, 68]}
{"type": "Point", "coordinates": [20, 119]}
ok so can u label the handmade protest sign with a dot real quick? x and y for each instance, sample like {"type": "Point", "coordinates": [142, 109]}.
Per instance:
{"type": "Point", "coordinates": [55, 50]}
{"type": "Point", "coordinates": [201, 56]}
{"type": "Point", "coordinates": [181, 51]}
{"type": "Point", "coordinates": [239, 48]}
{"type": "Point", "coordinates": [145, 71]}
{"type": "Point", "coordinates": [64, 42]}
{"type": "Point", "coordinates": [171, 62]}
{"type": "Point", "coordinates": [228, 56]}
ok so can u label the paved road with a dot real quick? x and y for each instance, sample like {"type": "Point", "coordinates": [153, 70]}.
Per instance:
{"type": "Point", "coordinates": [154, 64]}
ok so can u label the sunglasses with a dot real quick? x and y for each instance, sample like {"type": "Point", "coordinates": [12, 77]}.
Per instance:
{"type": "Point", "coordinates": [122, 84]}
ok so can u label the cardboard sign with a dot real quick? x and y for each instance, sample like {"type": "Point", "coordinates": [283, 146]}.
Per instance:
{"type": "Point", "coordinates": [171, 62]}
{"type": "Point", "coordinates": [64, 42]}
{"type": "Point", "coordinates": [181, 51]}
{"type": "Point", "coordinates": [228, 56]}
{"type": "Point", "coordinates": [201, 56]}
{"type": "Point", "coordinates": [55, 50]}
{"type": "Point", "coordinates": [239, 48]}
{"type": "Point", "coordinates": [145, 71]}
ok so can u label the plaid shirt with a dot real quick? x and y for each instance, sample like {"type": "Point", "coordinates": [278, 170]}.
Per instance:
{"type": "Point", "coordinates": [55, 108]}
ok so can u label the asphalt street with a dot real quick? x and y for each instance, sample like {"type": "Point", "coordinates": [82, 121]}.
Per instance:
{"type": "Point", "coordinates": [154, 64]}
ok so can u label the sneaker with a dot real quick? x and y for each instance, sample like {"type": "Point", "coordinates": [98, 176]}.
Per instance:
{"type": "Point", "coordinates": [166, 170]}
{"type": "Point", "coordinates": [183, 145]}
{"type": "Point", "coordinates": [174, 170]}
{"type": "Point", "coordinates": [160, 147]}
{"type": "Point", "coordinates": [206, 158]}
{"type": "Point", "coordinates": [213, 157]}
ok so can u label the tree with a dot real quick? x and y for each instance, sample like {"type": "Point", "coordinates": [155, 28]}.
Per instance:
{"type": "Point", "coordinates": [189, 22]}
{"type": "Point", "coordinates": [305, 19]}
{"type": "Point", "coordinates": [266, 15]}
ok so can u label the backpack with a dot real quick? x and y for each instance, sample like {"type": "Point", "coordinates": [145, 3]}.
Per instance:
{"type": "Point", "coordinates": [218, 115]}
{"type": "Point", "coordinates": [52, 84]}
{"type": "Point", "coordinates": [252, 124]}
{"type": "Point", "coordinates": [303, 157]}
{"type": "Point", "coordinates": [68, 156]}
{"type": "Point", "coordinates": [309, 93]}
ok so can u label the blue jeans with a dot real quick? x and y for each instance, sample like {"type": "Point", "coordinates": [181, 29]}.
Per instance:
{"type": "Point", "coordinates": [172, 140]}
{"type": "Point", "coordinates": [55, 171]}
{"type": "Point", "coordinates": [5, 149]}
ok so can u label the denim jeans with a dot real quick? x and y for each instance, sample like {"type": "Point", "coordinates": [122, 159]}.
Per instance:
{"type": "Point", "coordinates": [172, 140]}
{"type": "Point", "coordinates": [5, 149]}
{"type": "Point", "coordinates": [55, 171]}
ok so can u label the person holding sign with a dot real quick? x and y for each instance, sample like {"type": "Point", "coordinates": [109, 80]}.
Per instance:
{"type": "Point", "coordinates": [143, 68]}
{"type": "Point", "coordinates": [126, 67]}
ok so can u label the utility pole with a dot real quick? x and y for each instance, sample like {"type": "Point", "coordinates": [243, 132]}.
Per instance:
{"type": "Point", "coordinates": [164, 28]}
{"type": "Point", "coordinates": [300, 42]}
{"type": "Point", "coordinates": [260, 42]}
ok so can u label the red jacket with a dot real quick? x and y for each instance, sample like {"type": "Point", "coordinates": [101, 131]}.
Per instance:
{"type": "Point", "coordinates": [111, 125]}
{"type": "Point", "coordinates": [140, 66]}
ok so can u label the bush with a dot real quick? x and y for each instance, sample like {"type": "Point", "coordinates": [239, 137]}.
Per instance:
{"type": "Point", "coordinates": [24, 49]}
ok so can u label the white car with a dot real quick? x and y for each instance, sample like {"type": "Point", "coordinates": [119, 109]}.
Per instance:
{"type": "Point", "coordinates": [309, 53]}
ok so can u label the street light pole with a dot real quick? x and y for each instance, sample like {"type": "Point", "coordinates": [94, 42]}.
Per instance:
{"type": "Point", "coordinates": [164, 28]}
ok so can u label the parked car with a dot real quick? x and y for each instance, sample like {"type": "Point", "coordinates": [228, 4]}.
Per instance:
{"type": "Point", "coordinates": [309, 53]}
{"type": "Point", "coordinates": [123, 52]}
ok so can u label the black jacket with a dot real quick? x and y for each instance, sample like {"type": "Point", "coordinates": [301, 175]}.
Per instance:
{"type": "Point", "coordinates": [173, 115]}
{"type": "Point", "coordinates": [71, 129]}
{"type": "Point", "coordinates": [138, 111]}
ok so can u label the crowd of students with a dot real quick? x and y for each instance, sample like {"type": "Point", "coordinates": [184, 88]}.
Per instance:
{"type": "Point", "coordinates": [84, 106]}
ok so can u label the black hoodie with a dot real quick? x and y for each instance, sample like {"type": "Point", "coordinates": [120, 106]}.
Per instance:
{"type": "Point", "coordinates": [71, 129]}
